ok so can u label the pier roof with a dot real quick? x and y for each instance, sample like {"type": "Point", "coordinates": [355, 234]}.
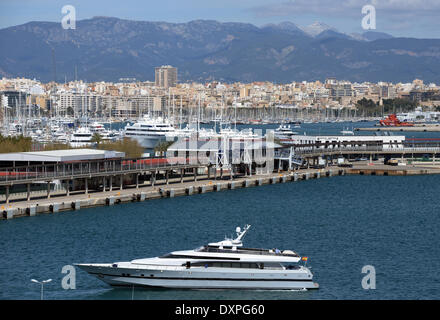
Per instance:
{"type": "Point", "coordinates": [61, 155]}
{"type": "Point", "coordinates": [218, 144]}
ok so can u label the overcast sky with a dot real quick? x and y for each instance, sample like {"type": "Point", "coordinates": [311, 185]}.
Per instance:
{"type": "Point", "coordinates": [408, 18]}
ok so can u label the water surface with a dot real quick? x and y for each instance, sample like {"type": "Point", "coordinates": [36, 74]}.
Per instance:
{"type": "Point", "coordinates": [340, 223]}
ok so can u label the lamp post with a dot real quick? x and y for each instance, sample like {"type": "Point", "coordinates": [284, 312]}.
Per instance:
{"type": "Point", "coordinates": [42, 283]}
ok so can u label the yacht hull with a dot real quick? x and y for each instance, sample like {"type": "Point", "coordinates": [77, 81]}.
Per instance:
{"type": "Point", "coordinates": [201, 279]}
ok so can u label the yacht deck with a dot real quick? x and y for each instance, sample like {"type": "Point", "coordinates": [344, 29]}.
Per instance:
{"type": "Point", "coordinates": [247, 251]}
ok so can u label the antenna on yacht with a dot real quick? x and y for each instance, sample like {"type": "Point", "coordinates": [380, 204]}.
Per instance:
{"type": "Point", "coordinates": [234, 243]}
{"type": "Point", "coordinates": [240, 233]}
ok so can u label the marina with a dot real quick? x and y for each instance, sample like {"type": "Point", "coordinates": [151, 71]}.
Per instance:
{"type": "Point", "coordinates": [52, 181]}
{"type": "Point", "coordinates": [221, 159]}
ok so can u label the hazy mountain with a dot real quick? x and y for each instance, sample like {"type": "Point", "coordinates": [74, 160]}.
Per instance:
{"type": "Point", "coordinates": [107, 49]}
{"type": "Point", "coordinates": [317, 28]}
{"type": "Point", "coordinates": [285, 26]}
{"type": "Point", "coordinates": [374, 35]}
{"type": "Point", "coordinates": [329, 33]}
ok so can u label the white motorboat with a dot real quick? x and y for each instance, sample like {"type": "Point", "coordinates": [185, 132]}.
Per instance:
{"type": "Point", "coordinates": [149, 131]}
{"type": "Point", "coordinates": [347, 132]}
{"type": "Point", "coordinates": [220, 265]}
{"type": "Point", "coordinates": [82, 137]}
{"type": "Point", "coordinates": [284, 132]}
{"type": "Point", "coordinates": [106, 135]}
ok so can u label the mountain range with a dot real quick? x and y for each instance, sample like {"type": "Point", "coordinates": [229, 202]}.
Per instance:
{"type": "Point", "coordinates": [106, 49]}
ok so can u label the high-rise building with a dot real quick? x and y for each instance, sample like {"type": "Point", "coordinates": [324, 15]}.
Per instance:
{"type": "Point", "coordinates": [166, 76]}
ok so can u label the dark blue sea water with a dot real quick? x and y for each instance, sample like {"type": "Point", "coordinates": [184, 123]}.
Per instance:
{"type": "Point", "coordinates": [340, 223]}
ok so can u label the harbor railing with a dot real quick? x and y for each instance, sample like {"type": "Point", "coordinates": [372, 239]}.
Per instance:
{"type": "Point", "coordinates": [71, 170]}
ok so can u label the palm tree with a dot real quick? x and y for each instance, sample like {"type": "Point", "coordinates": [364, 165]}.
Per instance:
{"type": "Point", "coordinates": [96, 138]}
{"type": "Point", "coordinates": [162, 147]}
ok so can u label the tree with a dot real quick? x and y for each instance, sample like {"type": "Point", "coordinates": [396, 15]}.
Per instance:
{"type": "Point", "coordinates": [70, 111]}
{"type": "Point", "coordinates": [398, 105]}
{"type": "Point", "coordinates": [15, 144]}
{"type": "Point", "coordinates": [131, 147]}
{"type": "Point", "coordinates": [96, 138]}
{"type": "Point", "coordinates": [56, 146]}
{"type": "Point", "coordinates": [367, 106]}
{"type": "Point", "coordinates": [163, 146]}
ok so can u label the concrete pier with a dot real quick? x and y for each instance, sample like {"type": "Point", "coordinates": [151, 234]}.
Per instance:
{"type": "Point", "coordinates": [386, 170]}
{"type": "Point", "coordinates": [138, 192]}
{"type": "Point", "coordinates": [427, 128]}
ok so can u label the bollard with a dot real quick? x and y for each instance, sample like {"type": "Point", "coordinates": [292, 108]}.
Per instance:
{"type": "Point", "coordinates": [232, 185]}
{"type": "Point", "coordinates": [31, 211]}
{"type": "Point", "coordinates": [247, 183]}
{"type": "Point", "coordinates": [274, 180]}
{"type": "Point", "coordinates": [284, 179]}
{"type": "Point", "coordinates": [110, 201]}
{"type": "Point", "coordinates": [295, 177]}
{"type": "Point", "coordinates": [76, 205]}
{"type": "Point", "coordinates": [218, 187]}
{"type": "Point", "coordinates": [171, 193]}
{"type": "Point", "coordinates": [318, 175]}
{"type": "Point", "coordinates": [10, 213]}
{"type": "Point", "coordinates": [54, 207]}
{"type": "Point", "coordinates": [202, 189]}
{"type": "Point", "coordinates": [190, 190]}
{"type": "Point", "coordinates": [143, 196]}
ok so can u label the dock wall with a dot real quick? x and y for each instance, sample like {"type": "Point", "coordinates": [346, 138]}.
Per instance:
{"type": "Point", "coordinates": [77, 202]}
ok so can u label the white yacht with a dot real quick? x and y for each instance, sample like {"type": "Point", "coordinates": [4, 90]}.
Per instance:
{"type": "Point", "coordinates": [220, 265]}
{"type": "Point", "coordinates": [82, 137]}
{"type": "Point", "coordinates": [180, 133]}
{"type": "Point", "coordinates": [284, 132]}
{"type": "Point", "coordinates": [149, 131]}
{"type": "Point", "coordinates": [106, 135]}
{"type": "Point", "coordinates": [347, 132]}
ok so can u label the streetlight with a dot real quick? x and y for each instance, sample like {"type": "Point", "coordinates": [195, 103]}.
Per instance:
{"type": "Point", "coordinates": [42, 284]}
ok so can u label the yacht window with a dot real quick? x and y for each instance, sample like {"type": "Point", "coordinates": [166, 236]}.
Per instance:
{"type": "Point", "coordinates": [228, 265]}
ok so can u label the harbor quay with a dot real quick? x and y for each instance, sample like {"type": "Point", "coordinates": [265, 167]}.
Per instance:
{"type": "Point", "coordinates": [189, 185]}
{"type": "Point", "coordinates": [50, 181]}
{"type": "Point", "coordinates": [419, 128]}
{"type": "Point", "coordinates": [161, 189]}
